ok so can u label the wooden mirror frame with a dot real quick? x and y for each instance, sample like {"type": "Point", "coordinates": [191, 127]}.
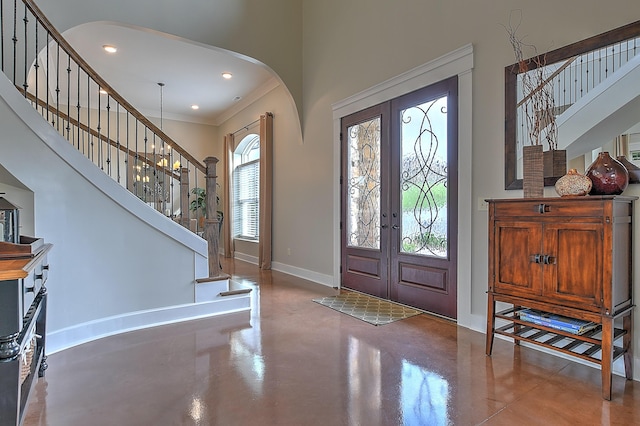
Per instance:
{"type": "Point", "coordinates": [511, 77]}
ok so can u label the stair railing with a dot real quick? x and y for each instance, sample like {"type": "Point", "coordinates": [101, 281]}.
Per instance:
{"type": "Point", "coordinates": [574, 78]}
{"type": "Point", "coordinates": [97, 120]}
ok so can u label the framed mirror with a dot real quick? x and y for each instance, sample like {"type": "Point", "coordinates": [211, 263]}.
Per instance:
{"type": "Point", "coordinates": [576, 70]}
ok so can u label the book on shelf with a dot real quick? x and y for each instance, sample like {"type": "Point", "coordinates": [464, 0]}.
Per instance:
{"type": "Point", "coordinates": [558, 322]}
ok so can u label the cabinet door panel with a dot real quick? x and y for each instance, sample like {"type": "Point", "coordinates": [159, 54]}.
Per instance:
{"type": "Point", "coordinates": [573, 274]}
{"type": "Point", "coordinates": [515, 268]}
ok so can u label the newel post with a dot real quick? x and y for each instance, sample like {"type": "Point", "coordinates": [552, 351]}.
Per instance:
{"type": "Point", "coordinates": [211, 230]}
{"type": "Point", "coordinates": [184, 197]}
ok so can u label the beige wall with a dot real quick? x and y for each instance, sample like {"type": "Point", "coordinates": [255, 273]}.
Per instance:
{"type": "Point", "coordinates": [351, 46]}
{"type": "Point", "coordinates": [289, 178]}
{"type": "Point", "coordinates": [197, 139]}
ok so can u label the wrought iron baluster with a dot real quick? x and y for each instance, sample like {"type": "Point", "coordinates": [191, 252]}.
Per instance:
{"type": "Point", "coordinates": [2, 34]}
{"type": "Point", "coordinates": [78, 109]}
{"type": "Point", "coordinates": [99, 128]}
{"type": "Point", "coordinates": [25, 19]}
{"type": "Point", "coordinates": [108, 135]}
{"type": "Point", "coordinates": [68, 128]}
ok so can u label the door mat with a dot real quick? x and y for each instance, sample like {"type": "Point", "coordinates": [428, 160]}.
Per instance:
{"type": "Point", "coordinates": [367, 308]}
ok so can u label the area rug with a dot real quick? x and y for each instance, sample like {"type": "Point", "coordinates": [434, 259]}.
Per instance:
{"type": "Point", "coordinates": [367, 308]}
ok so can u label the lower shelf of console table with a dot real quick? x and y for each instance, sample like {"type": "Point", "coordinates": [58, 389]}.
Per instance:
{"type": "Point", "coordinates": [594, 346]}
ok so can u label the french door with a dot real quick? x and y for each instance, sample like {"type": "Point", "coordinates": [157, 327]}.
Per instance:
{"type": "Point", "coordinates": [399, 199]}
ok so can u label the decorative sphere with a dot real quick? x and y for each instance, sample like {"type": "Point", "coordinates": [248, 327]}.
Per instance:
{"type": "Point", "coordinates": [573, 184]}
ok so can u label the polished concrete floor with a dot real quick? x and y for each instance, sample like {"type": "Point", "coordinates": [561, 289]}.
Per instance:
{"type": "Point", "coordinates": [295, 362]}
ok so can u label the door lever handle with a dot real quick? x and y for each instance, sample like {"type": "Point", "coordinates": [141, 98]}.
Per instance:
{"type": "Point", "coordinates": [395, 227]}
{"type": "Point", "coordinates": [384, 226]}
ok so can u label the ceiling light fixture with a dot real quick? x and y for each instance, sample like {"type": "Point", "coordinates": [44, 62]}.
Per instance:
{"type": "Point", "coordinates": [109, 48]}
{"type": "Point", "coordinates": [194, 107]}
{"type": "Point", "coordinates": [227, 75]}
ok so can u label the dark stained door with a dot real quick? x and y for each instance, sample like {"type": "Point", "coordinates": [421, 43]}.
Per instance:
{"type": "Point", "coordinates": [365, 206]}
{"type": "Point", "coordinates": [399, 212]}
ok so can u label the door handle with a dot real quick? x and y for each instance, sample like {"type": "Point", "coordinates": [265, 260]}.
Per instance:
{"type": "Point", "coordinates": [384, 226]}
{"type": "Point", "coordinates": [395, 227]}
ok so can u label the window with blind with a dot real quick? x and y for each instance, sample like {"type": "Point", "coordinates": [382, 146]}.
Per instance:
{"type": "Point", "coordinates": [246, 188]}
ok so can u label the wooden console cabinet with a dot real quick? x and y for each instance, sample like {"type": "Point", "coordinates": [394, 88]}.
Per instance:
{"type": "Point", "coordinates": [569, 257]}
{"type": "Point", "coordinates": [23, 306]}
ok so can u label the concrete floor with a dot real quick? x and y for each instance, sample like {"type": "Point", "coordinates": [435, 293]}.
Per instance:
{"type": "Point", "coordinates": [294, 362]}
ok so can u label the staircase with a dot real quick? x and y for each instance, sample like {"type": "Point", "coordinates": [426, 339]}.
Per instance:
{"type": "Point", "coordinates": [596, 97]}
{"type": "Point", "coordinates": [606, 112]}
{"type": "Point", "coordinates": [108, 188]}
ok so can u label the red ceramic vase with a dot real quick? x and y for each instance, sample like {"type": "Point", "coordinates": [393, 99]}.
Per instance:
{"type": "Point", "coordinates": [608, 175]}
{"type": "Point", "coordinates": [634, 171]}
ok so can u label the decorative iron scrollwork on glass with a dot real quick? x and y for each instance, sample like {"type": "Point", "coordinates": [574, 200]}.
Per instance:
{"type": "Point", "coordinates": [363, 180]}
{"type": "Point", "coordinates": [423, 180]}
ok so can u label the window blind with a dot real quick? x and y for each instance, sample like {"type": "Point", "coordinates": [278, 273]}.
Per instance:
{"type": "Point", "coordinates": [246, 196]}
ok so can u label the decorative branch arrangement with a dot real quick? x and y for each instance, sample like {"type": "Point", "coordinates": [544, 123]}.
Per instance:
{"type": "Point", "coordinates": [538, 101]}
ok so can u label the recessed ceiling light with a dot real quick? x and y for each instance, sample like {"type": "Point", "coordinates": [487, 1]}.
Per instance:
{"type": "Point", "coordinates": [237, 98]}
{"type": "Point", "coordinates": [109, 48]}
{"type": "Point", "coordinates": [227, 75]}
{"type": "Point", "coordinates": [195, 107]}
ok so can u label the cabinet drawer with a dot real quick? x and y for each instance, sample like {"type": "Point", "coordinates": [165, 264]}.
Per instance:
{"type": "Point", "coordinates": [28, 296]}
{"type": "Point", "coordinates": [550, 208]}
{"type": "Point", "coordinates": [33, 283]}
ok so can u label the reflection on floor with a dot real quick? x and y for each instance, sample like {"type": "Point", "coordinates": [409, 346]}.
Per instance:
{"type": "Point", "coordinates": [294, 362]}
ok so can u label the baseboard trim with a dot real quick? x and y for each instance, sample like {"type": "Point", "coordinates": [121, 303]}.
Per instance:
{"type": "Point", "coordinates": [246, 258]}
{"type": "Point", "coordinates": [93, 330]}
{"type": "Point", "coordinates": [316, 277]}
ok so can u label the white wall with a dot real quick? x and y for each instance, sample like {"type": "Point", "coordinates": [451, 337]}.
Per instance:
{"type": "Point", "coordinates": [112, 255]}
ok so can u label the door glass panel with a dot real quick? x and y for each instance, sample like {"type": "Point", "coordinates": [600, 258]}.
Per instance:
{"type": "Point", "coordinates": [423, 179]}
{"type": "Point", "coordinates": [363, 185]}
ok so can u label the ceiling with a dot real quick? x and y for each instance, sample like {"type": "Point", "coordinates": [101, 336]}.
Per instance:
{"type": "Point", "coordinates": [191, 72]}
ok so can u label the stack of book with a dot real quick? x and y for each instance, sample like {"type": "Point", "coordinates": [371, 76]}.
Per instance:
{"type": "Point", "coordinates": [557, 322]}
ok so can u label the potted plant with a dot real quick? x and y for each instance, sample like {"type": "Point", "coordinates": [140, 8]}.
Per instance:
{"type": "Point", "coordinates": [199, 206]}
{"type": "Point", "coordinates": [539, 115]}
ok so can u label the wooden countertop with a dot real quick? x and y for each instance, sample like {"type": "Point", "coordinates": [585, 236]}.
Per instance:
{"type": "Point", "coordinates": [13, 269]}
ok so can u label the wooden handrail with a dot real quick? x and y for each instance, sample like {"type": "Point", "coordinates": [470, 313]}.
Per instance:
{"type": "Point", "coordinates": [115, 144]}
{"type": "Point", "coordinates": [103, 84]}
{"type": "Point", "coordinates": [546, 81]}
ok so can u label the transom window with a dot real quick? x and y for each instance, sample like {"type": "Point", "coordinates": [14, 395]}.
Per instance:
{"type": "Point", "coordinates": [246, 188]}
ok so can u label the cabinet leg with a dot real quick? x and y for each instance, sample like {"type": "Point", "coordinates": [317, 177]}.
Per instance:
{"type": "Point", "coordinates": [627, 342]}
{"type": "Point", "coordinates": [607, 356]}
{"type": "Point", "coordinates": [516, 327]}
{"type": "Point", "coordinates": [491, 322]}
